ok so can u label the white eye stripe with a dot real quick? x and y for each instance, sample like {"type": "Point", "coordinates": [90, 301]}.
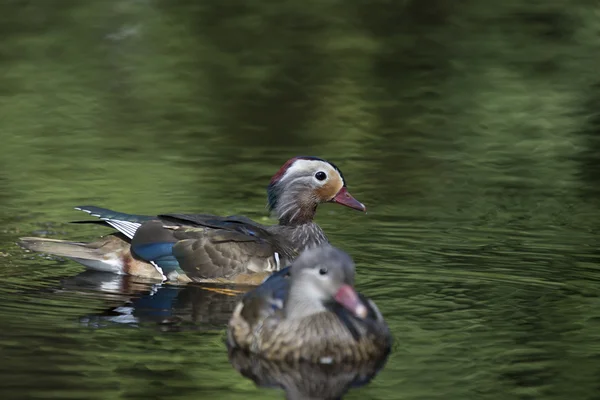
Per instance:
{"type": "Point", "coordinates": [306, 167]}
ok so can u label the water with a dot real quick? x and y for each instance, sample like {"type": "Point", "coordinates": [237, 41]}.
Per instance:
{"type": "Point", "coordinates": [468, 130]}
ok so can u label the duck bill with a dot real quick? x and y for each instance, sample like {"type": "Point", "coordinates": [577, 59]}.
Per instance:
{"type": "Point", "coordinates": [344, 198]}
{"type": "Point", "coordinates": [347, 297]}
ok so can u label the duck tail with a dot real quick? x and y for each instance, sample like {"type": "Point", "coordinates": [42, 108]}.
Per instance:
{"type": "Point", "coordinates": [100, 256]}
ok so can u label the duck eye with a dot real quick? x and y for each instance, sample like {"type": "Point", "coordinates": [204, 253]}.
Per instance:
{"type": "Point", "coordinates": [321, 176]}
{"type": "Point", "coordinates": [323, 271]}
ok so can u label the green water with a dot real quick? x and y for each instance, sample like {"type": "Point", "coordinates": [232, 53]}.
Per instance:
{"type": "Point", "coordinates": [469, 130]}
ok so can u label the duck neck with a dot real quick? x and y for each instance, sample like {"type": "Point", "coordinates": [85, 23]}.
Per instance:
{"type": "Point", "coordinates": [292, 205]}
{"type": "Point", "coordinates": [297, 215]}
{"type": "Point", "coordinates": [302, 236]}
{"type": "Point", "coordinates": [295, 210]}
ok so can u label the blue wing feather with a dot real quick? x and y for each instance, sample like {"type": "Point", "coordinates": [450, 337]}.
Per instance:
{"type": "Point", "coordinates": [153, 251]}
{"type": "Point", "coordinates": [161, 253]}
{"type": "Point", "coordinates": [275, 286]}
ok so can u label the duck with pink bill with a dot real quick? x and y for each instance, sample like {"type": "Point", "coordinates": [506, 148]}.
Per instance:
{"type": "Point", "coordinates": [311, 312]}
{"type": "Point", "coordinates": [209, 248]}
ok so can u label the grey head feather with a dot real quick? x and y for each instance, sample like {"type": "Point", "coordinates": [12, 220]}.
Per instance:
{"type": "Point", "coordinates": [315, 277]}
{"type": "Point", "coordinates": [338, 263]}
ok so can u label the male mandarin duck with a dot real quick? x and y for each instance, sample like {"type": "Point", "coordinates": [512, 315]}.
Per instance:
{"type": "Point", "coordinates": [209, 248]}
{"type": "Point", "coordinates": [310, 312]}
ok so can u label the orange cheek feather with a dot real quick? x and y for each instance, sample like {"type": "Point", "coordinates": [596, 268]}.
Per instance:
{"type": "Point", "coordinates": [330, 189]}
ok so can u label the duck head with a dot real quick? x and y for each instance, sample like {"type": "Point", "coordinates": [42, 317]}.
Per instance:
{"type": "Point", "coordinates": [322, 275]}
{"type": "Point", "coordinates": [301, 184]}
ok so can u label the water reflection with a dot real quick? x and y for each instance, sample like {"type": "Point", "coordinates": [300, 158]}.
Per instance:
{"type": "Point", "coordinates": [303, 380]}
{"type": "Point", "coordinates": [134, 302]}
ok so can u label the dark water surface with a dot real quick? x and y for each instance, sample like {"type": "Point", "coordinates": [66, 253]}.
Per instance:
{"type": "Point", "coordinates": [467, 128]}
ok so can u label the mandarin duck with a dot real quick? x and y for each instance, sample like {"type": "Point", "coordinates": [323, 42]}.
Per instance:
{"type": "Point", "coordinates": [310, 312]}
{"type": "Point", "coordinates": [209, 248]}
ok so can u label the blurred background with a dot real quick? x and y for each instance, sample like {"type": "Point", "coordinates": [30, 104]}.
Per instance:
{"type": "Point", "coordinates": [468, 128]}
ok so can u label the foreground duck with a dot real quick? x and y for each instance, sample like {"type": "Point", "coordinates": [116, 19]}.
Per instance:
{"type": "Point", "coordinates": [208, 248]}
{"type": "Point", "coordinates": [310, 312]}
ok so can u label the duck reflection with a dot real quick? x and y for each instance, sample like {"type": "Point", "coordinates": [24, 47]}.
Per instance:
{"type": "Point", "coordinates": [305, 381]}
{"type": "Point", "coordinates": [133, 301]}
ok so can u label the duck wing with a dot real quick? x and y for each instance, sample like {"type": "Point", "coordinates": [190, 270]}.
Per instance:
{"type": "Point", "coordinates": [255, 307]}
{"type": "Point", "coordinates": [210, 248]}
{"type": "Point", "coordinates": [206, 247]}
